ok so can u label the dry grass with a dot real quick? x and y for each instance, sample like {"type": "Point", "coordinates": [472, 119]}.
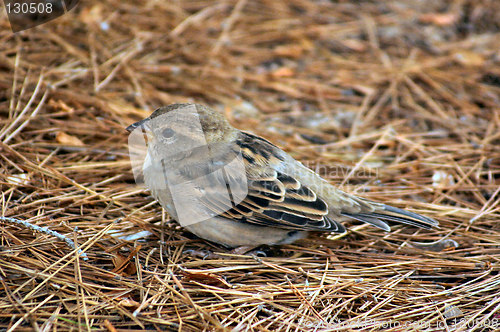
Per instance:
{"type": "Point", "coordinates": [398, 101]}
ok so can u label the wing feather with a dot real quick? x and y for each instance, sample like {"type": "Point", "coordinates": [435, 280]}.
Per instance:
{"type": "Point", "coordinates": [279, 199]}
{"type": "Point", "coordinates": [275, 198]}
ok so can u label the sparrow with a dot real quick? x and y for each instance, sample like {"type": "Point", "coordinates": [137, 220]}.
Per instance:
{"type": "Point", "coordinates": [238, 189]}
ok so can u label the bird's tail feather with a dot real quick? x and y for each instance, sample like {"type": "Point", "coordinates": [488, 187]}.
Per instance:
{"type": "Point", "coordinates": [390, 213]}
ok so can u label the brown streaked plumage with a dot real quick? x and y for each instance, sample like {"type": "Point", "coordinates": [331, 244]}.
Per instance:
{"type": "Point", "coordinates": [285, 199]}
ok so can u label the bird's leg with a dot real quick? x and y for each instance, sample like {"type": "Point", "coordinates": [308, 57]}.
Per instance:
{"type": "Point", "coordinates": [258, 251]}
{"type": "Point", "coordinates": [203, 254]}
{"type": "Point", "coordinates": [242, 250]}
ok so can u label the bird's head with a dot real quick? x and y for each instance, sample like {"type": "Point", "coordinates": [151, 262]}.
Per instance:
{"type": "Point", "coordinates": [176, 131]}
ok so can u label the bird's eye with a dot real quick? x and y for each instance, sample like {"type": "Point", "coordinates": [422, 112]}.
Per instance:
{"type": "Point", "coordinates": [168, 133]}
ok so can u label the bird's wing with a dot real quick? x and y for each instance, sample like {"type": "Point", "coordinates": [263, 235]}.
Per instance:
{"type": "Point", "coordinates": [279, 199]}
{"type": "Point", "coordinates": [274, 198]}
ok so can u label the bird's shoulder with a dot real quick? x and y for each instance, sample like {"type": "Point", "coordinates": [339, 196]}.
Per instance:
{"type": "Point", "coordinates": [257, 151]}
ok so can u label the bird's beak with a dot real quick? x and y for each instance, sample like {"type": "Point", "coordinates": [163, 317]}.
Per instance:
{"type": "Point", "coordinates": [144, 129]}
{"type": "Point", "coordinates": [136, 125]}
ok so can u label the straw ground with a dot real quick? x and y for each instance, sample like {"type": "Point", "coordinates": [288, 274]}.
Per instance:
{"type": "Point", "coordinates": [397, 101]}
